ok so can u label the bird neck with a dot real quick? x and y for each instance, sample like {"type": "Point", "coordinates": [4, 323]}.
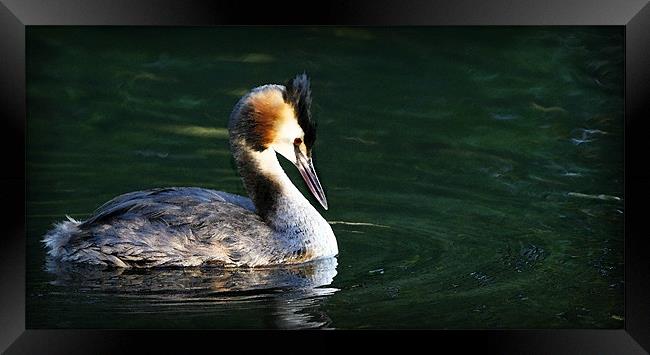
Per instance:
{"type": "Point", "coordinates": [277, 200]}
{"type": "Point", "coordinates": [283, 207]}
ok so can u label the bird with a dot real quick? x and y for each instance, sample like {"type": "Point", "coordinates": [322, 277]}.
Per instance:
{"type": "Point", "coordinates": [194, 226]}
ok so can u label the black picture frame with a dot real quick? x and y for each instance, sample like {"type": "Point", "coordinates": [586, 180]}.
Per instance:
{"type": "Point", "coordinates": [15, 15]}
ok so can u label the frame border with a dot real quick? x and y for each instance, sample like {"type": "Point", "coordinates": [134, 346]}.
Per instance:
{"type": "Point", "coordinates": [634, 15]}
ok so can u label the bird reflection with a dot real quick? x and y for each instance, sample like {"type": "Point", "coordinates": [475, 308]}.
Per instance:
{"type": "Point", "coordinates": [291, 296]}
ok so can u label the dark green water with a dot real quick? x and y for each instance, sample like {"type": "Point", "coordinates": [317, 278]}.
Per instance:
{"type": "Point", "coordinates": [474, 175]}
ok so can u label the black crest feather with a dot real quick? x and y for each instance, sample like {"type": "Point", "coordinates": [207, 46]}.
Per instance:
{"type": "Point", "coordinates": [298, 94]}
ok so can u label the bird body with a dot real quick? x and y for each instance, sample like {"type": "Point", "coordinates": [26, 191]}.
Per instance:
{"type": "Point", "coordinates": [191, 226]}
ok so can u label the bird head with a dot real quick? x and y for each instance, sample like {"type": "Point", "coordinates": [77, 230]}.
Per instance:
{"type": "Point", "coordinates": [279, 118]}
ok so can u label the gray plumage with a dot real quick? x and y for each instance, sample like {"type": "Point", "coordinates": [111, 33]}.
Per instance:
{"type": "Point", "coordinates": [190, 226]}
{"type": "Point", "coordinates": [165, 227]}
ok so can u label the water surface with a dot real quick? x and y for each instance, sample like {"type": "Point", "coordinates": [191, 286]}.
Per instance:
{"type": "Point", "coordinates": [474, 175]}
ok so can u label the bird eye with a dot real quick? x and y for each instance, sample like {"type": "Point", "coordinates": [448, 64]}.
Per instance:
{"type": "Point", "coordinates": [297, 141]}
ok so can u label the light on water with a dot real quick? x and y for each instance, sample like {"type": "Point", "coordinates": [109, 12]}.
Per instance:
{"type": "Point", "coordinates": [474, 175]}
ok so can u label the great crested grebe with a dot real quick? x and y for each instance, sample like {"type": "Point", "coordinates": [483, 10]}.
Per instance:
{"type": "Point", "coordinates": [189, 226]}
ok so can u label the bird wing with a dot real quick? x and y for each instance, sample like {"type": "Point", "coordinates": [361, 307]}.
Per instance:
{"type": "Point", "coordinates": [172, 226]}
{"type": "Point", "coordinates": [147, 202]}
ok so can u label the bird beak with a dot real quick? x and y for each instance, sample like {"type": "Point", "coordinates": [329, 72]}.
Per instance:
{"type": "Point", "coordinates": [306, 168]}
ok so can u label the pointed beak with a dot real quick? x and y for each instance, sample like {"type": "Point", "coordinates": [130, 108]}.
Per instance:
{"type": "Point", "coordinates": [306, 168]}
